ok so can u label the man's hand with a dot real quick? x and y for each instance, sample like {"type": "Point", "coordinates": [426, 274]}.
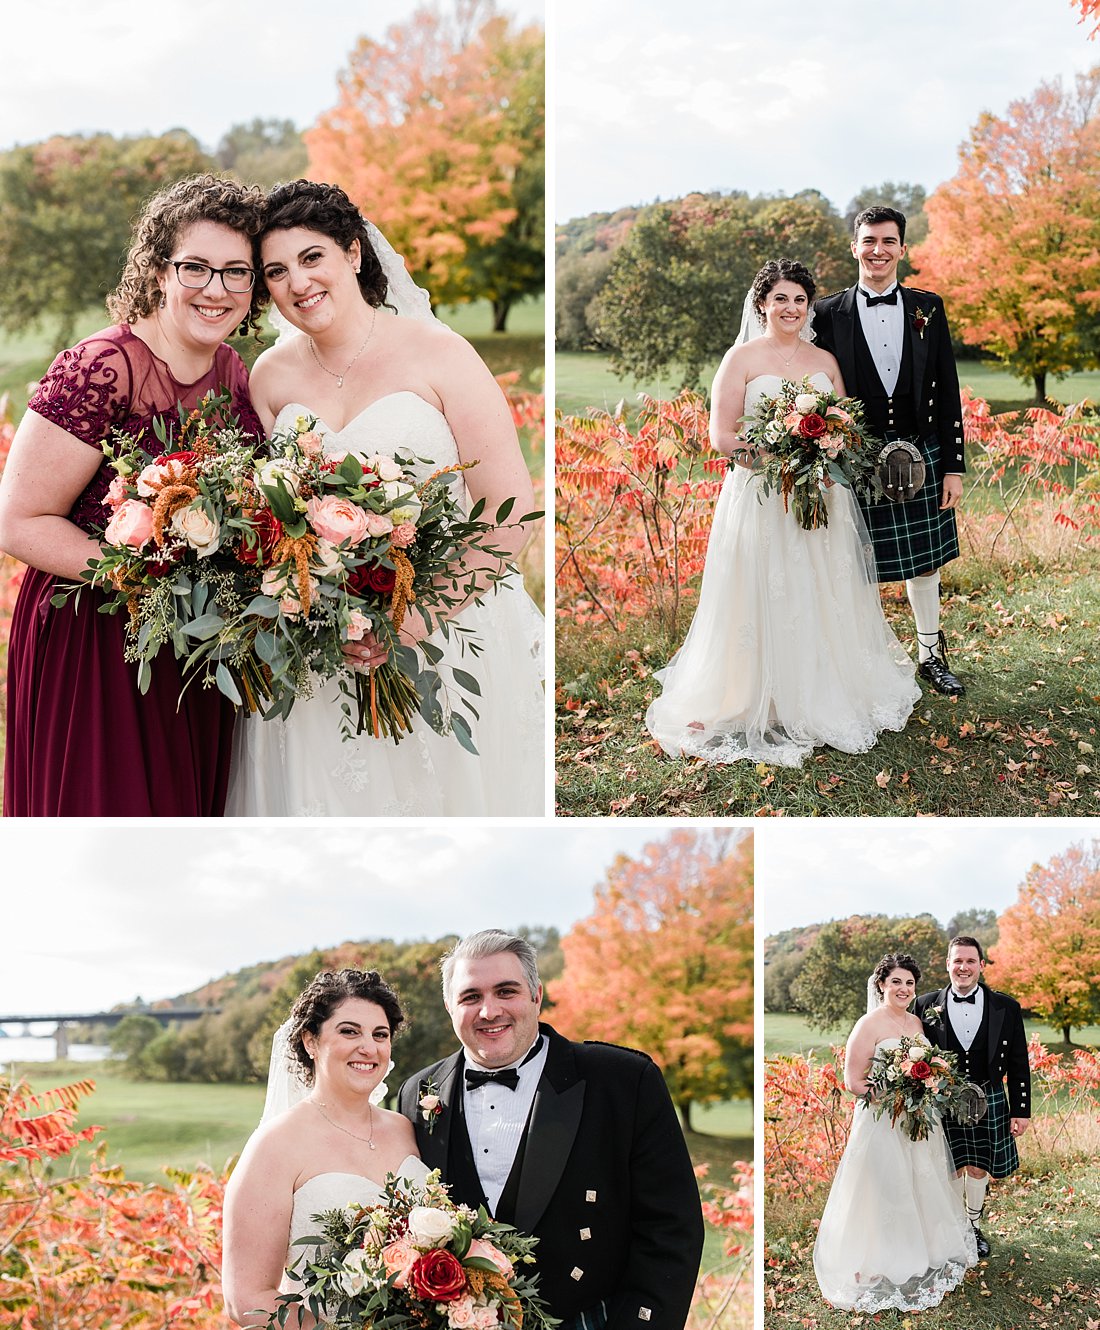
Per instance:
{"type": "Point", "coordinates": [1017, 1126]}
{"type": "Point", "coordinates": [952, 492]}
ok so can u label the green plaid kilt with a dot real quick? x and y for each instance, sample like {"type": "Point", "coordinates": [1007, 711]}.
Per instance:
{"type": "Point", "coordinates": [915, 537]}
{"type": "Point", "coordinates": [988, 1145]}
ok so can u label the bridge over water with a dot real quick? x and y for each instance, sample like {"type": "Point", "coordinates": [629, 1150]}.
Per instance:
{"type": "Point", "coordinates": [66, 1021]}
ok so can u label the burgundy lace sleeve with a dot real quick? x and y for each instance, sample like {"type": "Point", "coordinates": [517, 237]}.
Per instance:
{"type": "Point", "coordinates": [86, 390]}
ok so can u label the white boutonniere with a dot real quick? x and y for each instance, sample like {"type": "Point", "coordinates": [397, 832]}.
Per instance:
{"type": "Point", "coordinates": [933, 1015]}
{"type": "Point", "coordinates": [428, 1103]}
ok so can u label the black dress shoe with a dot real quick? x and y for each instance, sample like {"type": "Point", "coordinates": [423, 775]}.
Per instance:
{"type": "Point", "coordinates": [983, 1244]}
{"type": "Point", "coordinates": [935, 671]}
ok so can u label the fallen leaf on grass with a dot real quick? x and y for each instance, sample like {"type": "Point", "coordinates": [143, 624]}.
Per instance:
{"type": "Point", "coordinates": [882, 779]}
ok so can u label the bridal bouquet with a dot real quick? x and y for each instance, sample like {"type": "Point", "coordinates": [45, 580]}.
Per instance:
{"type": "Point", "coordinates": [259, 562]}
{"type": "Point", "coordinates": [415, 1260]}
{"type": "Point", "coordinates": [918, 1086]}
{"type": "Point", "coordinates": [804, 436]}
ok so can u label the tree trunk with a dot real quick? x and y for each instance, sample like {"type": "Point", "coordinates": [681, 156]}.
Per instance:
{"type": "Point", "coordinates": [500, 314]}
{"type": "Point", "coordinates": [1040, 377]}
{"type": "Point", "coordinates": [1065, 1033]}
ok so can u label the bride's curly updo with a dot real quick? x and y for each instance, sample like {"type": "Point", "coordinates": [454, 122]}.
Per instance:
{"type": "Point", "coordinates": [328, 210]}
{"type": "Point", "coordinates": [781, 270]}
{"type": "Point", "coordinates": [320, 998]}
{"type": "Point", "coordinates": [895, 960]}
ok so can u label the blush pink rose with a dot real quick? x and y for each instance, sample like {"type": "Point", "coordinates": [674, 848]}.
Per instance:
{"type": "Point", "coordinates": [479, 1247]}
{"type": "Point", "coordinates": [357, 626]}
{"type": "Point", "coordinates": [116, 493]}
{"type": "Point", "coordinates": [838, 413]}
{"type": "Point", "coordinates": [131, 525]}
{"type": "Point", "coordinates": [337, 519]}
{"type": "Point", "coordinates": [486, 1318]}
{"type": "Point", "coordinates": [158, 474]}
{"type": "Point", "coordinates": [311, 443]}
{"type": "Point", "coordinates": [404, 534]}
{"type": "Point", "coordinates": [399, 1257]}
{"type": "Point", "coordinates": [378, 524]}
{"type": "Point", "coordinates": [461, 1313]}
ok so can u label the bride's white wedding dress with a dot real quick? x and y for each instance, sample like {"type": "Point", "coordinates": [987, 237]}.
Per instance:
{"type": "Point", "coordinates": [788, 649]}
{"type": "Point", "coordinates": [894, 1233]}
{"type": "Point", "coordinates": [301, 767]}
{"type": "Point", "coordinates": [333, 1191]}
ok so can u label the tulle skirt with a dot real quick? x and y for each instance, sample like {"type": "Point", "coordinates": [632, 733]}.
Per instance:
{"type": "Point", "coordinates": [894, 1233]}
{"type": "Point", "coordinates": [788, 649]}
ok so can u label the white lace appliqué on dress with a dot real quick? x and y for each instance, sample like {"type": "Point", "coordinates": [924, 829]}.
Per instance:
{"type": "Point", "coordinates": [894, 1233]}
{"type": "Point", "coordinates": [788, 649]}
{"type": "Point", "coordinates": [301, 767]}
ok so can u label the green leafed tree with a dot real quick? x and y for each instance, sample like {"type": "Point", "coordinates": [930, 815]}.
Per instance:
{"type": "Point", "coordinates": [66, 209]}
{"type": "Point", "coordinates": [263, 152]}
{"type": "Point", "coordinates": [907, 199]}
{"type": "Point", "coordinates": [673, 297]}
{"type": "Point", "coordinates": [831, 989]}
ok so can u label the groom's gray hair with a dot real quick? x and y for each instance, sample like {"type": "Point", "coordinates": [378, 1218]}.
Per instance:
{"type": "Point", "coordinates": [491, 942]}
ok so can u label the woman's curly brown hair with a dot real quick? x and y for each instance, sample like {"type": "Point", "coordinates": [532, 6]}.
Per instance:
{"type": "Point", "coordinates": [320, 998]}
{"type": "Point", "coordinates": [895, 960]}
{"type": "Point", "coordinates": [781, 270]}
{"type": "Point", "coordinates": [199, 198]}
{"type": "Point", "coordinates": [327, 210]}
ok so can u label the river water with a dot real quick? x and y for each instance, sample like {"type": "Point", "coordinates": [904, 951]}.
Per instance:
{"type": "Point", "coordinates": [23, 1048]}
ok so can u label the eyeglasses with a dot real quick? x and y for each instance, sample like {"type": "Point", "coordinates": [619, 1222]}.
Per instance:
{"type": "Point", "coordinates": [197, 275]}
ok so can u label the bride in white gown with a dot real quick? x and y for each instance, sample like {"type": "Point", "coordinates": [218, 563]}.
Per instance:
{"type": "Point", "coordinates": [380, 382]}
{"type": "Point", "coordinates": [323, 1142]}
{"type": "Point", "coordinates": [788, 648]}
{"type": "Point", "coordinates": [894, 1233]}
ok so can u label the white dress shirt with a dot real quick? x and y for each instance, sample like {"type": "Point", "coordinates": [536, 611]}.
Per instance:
{"type": "Point", "coordinates": [884, 331]}
{"type": "Point", "coordinates": [966, 1017]}
{"type": "Point", "coordinates": [495, 1119]}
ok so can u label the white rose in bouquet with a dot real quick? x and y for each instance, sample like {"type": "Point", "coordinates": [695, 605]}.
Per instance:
{"type": "Point", "coordinates": [805, 403]}
{"type": "Point", "coordinates": [429, 1227]}
{"type": "Point", "coordinates": [198, 529]}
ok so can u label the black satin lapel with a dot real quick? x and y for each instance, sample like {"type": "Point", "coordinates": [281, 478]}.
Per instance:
{"type": "Point", "coordinates": [555, 1120]}
{"type": "Point", "coordinates": [434, 1146]}
{"type": "Point", "coordinates": [919, 344]}
{"type": "Point", "coordinates": [845, 321]}
{"type": "Point", "coordinates": [996, 1024]}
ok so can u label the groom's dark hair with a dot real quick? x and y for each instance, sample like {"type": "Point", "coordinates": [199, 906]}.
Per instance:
{"type": "Point", "coordinates": [879, 213]}
{"type": "Point", "coordinates": [962, 940]}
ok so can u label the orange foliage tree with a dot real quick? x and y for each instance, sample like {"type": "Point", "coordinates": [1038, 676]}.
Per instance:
{"type": "Point", "coordinates": [430, 136]}
{"type": "Point", "coordinates": [1090, 13]}
{"type": "Point", "coordinates": [634, 508]}
{"type": "Point", "coordinates": [1014, 237]}
{"type": "Point", "coordinates": [85, 1252]}
{"type": "Point", "coordinates": [664, 963]}
{"type": "Point", "coordinates": [1048, 952]}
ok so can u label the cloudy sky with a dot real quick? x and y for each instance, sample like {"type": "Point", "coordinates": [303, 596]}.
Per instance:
{"type": "Point", "coordinates": [73, 67]}
{"type": "Point", "coordinates": [97, 914]}
{"type": "Point", "coordinates": [819, 870]}
{"type": "Point", "coordinates": [655, 100]}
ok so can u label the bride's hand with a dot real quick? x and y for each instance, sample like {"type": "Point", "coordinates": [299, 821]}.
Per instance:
{"type": "Point", "coordinates": [366, 654]}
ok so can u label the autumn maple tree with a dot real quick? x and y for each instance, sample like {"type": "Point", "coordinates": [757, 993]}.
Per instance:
{"type": "Point", "coordinates": [664, 963]}
{"type": "Point", "coordinates": [1014, 236]}
{"type": "Point", "coordinates": [437, 136]}
{"type": "Point", "coordinates": [1090, 13]}
{"type": "Point", "coordinates": [1048, 954]}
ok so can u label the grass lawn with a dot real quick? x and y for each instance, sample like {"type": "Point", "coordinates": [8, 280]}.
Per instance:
{"type": "Point", "coordinates": [787, 1033]}
{"type": "Point", "coordinates": [585, 379]}
{"type": "Point", "coordinates": [1043, 1273]}
{"type": "Point", "coordinates": [1020, 742]}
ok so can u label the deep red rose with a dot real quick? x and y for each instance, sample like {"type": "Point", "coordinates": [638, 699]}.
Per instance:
{"type": "Point", "coordinates": [187, 457]}
{"type": "Point", "coordinates": [379, 578]}
{"type": "Point", "coordinates": [269, 531]}
{"type": "Point", "coordinates": [812, 426]}
{"type": "Point", "coordinates": [437, 1276]}
{"type": "Point", "coordinates": [921, 1070]}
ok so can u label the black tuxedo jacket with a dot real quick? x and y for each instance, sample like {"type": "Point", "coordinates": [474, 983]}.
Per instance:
{"type": "Point", "coordinates": [935, 383]}
{"type": "Point", "coordinates": [606, 1185]}
{"type": "Point", "coordinates": [1007, 1041]}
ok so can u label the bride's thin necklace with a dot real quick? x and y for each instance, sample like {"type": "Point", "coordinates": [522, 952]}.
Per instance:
{"type": "Point", "coordinates": [785, 359]}
{"type": "Point", "coordinates": [342, 376]}
{"type": "Point", "coordinates": [367, 1140]}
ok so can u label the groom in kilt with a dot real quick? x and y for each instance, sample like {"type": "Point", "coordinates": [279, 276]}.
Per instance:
{"type": "Point", "coordinates": [985, 1030]}
{"type": "Point", "coordinates": [893, 346]}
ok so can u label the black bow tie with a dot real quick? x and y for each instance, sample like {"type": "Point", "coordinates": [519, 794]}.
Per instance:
{"type": "Point", "coordinates": [509, 1076]}
{"type": "Point", "coordinates": [973, 997]}
{"type": "Point", "coordinates": [872, 301]}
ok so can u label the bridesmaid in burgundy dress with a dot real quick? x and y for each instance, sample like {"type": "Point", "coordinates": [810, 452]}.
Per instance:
{"type": "Point", "coordinates": [81, 740]}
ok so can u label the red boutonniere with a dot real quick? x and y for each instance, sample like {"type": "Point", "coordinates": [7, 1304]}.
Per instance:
{"type": "Point", "coordinates": [921, 320]}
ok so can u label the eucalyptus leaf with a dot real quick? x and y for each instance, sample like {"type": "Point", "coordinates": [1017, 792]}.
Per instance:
{"type": "Point", "coordinates": [227, 685]}
{"type": "Point", "coordinates": [466, 681]}
{"type": "Point", "coordinates": [463, 733]}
